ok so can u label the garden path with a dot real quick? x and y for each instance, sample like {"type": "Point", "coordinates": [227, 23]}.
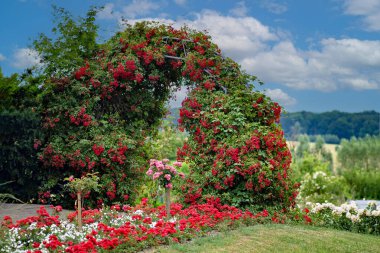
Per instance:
{"type": "Point", "coordinates": [21, 211]}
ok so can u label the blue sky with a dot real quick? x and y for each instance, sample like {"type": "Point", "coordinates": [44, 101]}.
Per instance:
{"type": "Point", "coordinates": [312, 55]}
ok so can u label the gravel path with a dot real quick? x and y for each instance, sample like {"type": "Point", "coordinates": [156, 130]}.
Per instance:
{"type": "Point", "coordinates": [21, 211]}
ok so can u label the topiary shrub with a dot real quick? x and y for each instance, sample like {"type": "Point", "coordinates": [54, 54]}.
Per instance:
{"type": "Point", "coordinates": [98, 119]}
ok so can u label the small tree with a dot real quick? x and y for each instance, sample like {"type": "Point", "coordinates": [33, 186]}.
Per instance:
{"type": "Point", "coordinates": [164, 173]}
{"type": "Point", "coordinates": [80, 186]}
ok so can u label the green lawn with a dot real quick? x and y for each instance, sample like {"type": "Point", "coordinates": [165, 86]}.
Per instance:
{"type": "Point", "coordinates": [279, 238]}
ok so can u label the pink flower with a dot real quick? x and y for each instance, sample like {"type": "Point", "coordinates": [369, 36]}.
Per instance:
{"type": "Point", "coordinates": [178, 164]}
{"type": "Point", "coordinates": [169, 186]}
{"type": "Point", "coordinates": [156, 175]}
{"type": "Point", "coordinates": [172, 170]}
{"type": "Point", "coordinates": [181, 175]}
{"type": "Point", "coordinates": [58, 209]}
{"type": "Point", "coordinates": [167, 177]}
{"type": "Point", "coordinates": [165, 160]}
{"type": "Point", "coordinates": [152, 162]}
{"type": "Point", "coordinates": [149, 172]}
{"type": "Point", "coordinates": [160, 166]}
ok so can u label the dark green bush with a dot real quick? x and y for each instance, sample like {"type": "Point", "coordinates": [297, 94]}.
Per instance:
{"type": "Point", "coordinates": [18, 158]}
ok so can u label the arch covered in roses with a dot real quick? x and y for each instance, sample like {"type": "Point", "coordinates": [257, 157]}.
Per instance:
{"type": "Point", "coordinates": [98, 119]}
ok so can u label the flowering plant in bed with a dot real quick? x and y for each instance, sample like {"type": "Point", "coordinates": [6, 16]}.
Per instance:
{"type": "Point", "coordinates": [122, 228]}
{"type": "Point", "coordinates": [347, 216]}
{"type": "Point", "coordinates": [164, 174]}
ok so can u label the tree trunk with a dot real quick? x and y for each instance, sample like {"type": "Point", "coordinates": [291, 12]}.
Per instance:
{"type": "Point", "coordinates": [167, 202]}
{"type": "Point", "coordinates": [79, 216]}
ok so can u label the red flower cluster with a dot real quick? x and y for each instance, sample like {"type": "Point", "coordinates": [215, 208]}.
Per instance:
{"type": "Point", "coordinates": [81, 118]}
{"type": "Point", "coordinates": [98, 150]}
{"type": "Point", "coordinates": [82, 72]}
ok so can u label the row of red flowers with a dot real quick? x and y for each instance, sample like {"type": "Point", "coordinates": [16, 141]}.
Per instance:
{"type": "Point", "coordinates": [137, 227]}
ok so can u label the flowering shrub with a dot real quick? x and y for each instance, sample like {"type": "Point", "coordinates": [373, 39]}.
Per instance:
{"type": "Point", "coordinates": [163, 172]}
{"type": "Point", "coordinates": [124, 228]}
{"type": "Point", "coordinates": [98, 119]}
{"type": "Point", "coordinates": [83, 184]}
{"type": "Point", "coordinates": [347, 217]}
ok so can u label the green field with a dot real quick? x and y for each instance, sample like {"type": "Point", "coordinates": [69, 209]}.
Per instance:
{"type": "Point", "coordinates": [279, 238]}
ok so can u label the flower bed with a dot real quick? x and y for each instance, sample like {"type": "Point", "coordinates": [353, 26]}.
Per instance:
{"type": "Point", "coordinates": [347, 216]}
{"type": "Point", "coordinates": [121, 228]}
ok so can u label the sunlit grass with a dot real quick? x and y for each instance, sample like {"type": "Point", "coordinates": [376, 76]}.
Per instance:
{"type": "Point", "coordinates": [279, 238]}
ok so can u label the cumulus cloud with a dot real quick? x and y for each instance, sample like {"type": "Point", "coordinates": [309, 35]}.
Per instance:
{"type": "Point", "coordinates": [344, 63]}
{"type": "Point", "coordinates": [25, 58]}
{"type": "Point", "coordinates": [240, 10]}
{"type": "Point", "coordinates": [369, 10]}
{"type": "Point", "coordinates": [133, 10]}
{"type": "Point", "coordinates": [2, 57]}
{"type": "Point", "coordinates": [237, 36]}
{"type": "Point", "coordinates": [280, 96]}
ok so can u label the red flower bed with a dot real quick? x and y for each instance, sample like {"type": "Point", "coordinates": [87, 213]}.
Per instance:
{"type": "Point", "coordinates": [135, 228]}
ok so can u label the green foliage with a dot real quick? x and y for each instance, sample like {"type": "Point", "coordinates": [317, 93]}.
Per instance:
{"type": "Point", "coordinates": [5, 197]}
{"type": "Point", "coordinates": [312, 166]}
{"type": "Point", "coordinates": [167, 140]}
{"type": "Point", "coordinates": [303, 147]}
{"type": "Point", "coordinates": [363, 184]}
{"type": "Point", "coordinates": [360, 165]}
{"type": "Point", "coordinates": [309, 164]}
{"type": "Point", "coordinates": [74, 43]}
{"type": "Point", "coordinates": [360, 153]}
{"type": "Point", "coordinates": [84, 184]}
{"type": "Point", "coordinates": [330, 124]}
{"type": "Point", "coordinates": [18, 158]}
{"type": "Point", "coordinates": [319, 187]}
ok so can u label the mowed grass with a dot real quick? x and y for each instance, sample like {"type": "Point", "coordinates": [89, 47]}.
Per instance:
{"type": "Point", "coordinates": [279, 238]}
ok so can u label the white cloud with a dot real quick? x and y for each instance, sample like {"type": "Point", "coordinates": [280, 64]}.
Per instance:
{"type": "Point", "coordinates": [133, 10]}
{"type": "Point", "coordinates": [345, 63]}
{"type": "Point", "coordinates": [274, 7]}
{"type": "Point", "coordinates": [139, 7]}
{"type": "Point", "coordinates": [180, 2]}
{"type": "Point", "coordinates": [240, 10]}
{"type": "Point", "coordinates": [2, 57]}
{"type": "Point", "coordinates": [369, 10]}
{"type": "Point", "coordinates": [237, 36]}
{"type": "Point", "coordinates": [25, 58]}
{"type": "Point", "coordinates": [280, 96]}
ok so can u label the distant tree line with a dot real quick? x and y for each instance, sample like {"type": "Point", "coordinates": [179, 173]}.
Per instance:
{"type": "Point", "coordinates": [333, 126]}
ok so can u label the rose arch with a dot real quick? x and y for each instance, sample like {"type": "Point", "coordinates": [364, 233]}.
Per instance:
{"type": "Point", "coordinates": [98, 120]}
